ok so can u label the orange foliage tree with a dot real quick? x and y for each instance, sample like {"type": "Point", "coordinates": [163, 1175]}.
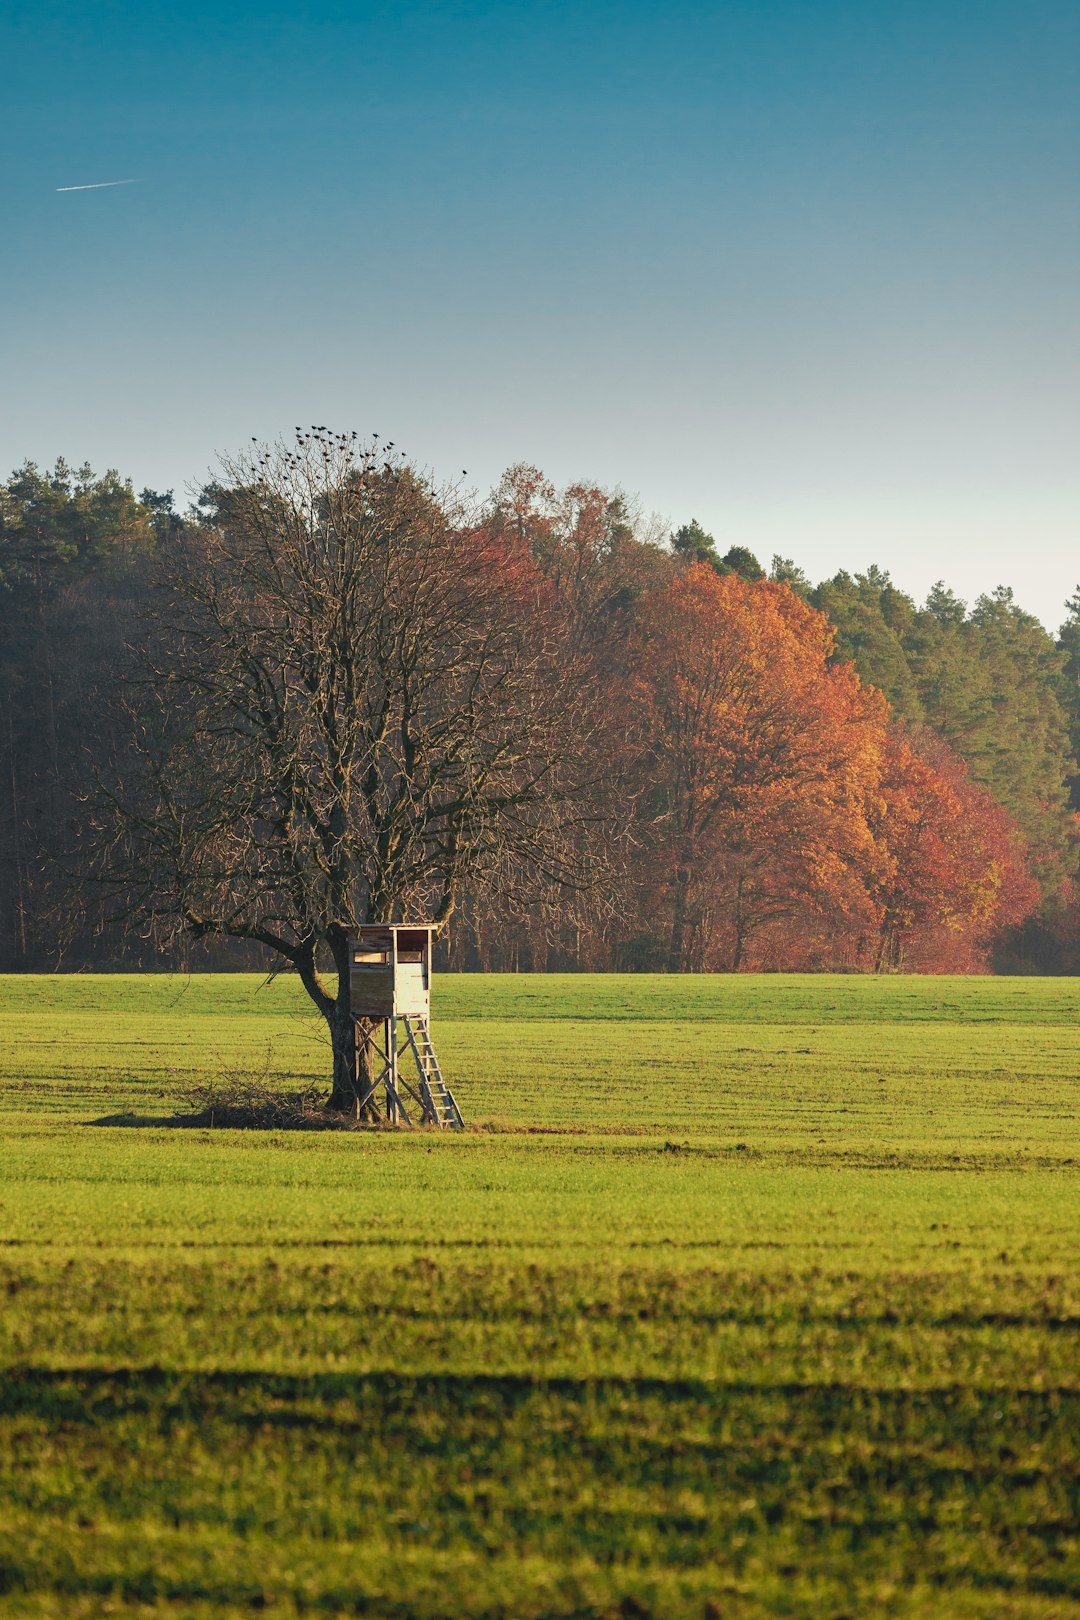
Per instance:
{"type": "Point", "coordinates": [954, 871]}
{"type": "Point", "coordinates": [763, 758]}
{"type": "Point", "coordinates": [793, 823]}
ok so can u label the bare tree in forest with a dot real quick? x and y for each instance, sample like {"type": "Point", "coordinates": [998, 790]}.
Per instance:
{"type": "Point", "coordinates": [353, 699]}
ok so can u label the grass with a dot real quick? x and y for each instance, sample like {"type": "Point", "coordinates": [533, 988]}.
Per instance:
{"type": "Point", "coordinates": [760, 1298]}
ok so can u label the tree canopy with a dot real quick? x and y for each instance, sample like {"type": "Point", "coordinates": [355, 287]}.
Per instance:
{"type": "Point", "coordinates": [333, 692]}
{"type": "Point", "coordinates": [353, 700]}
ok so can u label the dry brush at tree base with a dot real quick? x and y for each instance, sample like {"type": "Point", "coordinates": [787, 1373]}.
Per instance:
{"type": "Point", "coordinates": [790, 1329]}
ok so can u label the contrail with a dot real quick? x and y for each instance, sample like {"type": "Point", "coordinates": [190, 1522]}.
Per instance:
{"type": "Point", "coordinates": [98, 185]}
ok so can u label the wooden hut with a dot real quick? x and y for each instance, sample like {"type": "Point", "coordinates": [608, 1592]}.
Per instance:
{"type": "Point", "coordinates": [390, 971]}
{"type": "Point", "coordinates": [390, 982]}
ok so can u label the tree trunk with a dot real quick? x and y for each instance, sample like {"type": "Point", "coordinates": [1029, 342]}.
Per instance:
{"type": "Point", "coordinates": [740, 929]}
{"type": "Point", "coordinates": [354, 1065]}
{"type": "Point", "coordinates": [677, 946]}
{"type": "Point", "coordinates": [883, 939]}
{"type": "Point", "coordinates": [343, 1097]}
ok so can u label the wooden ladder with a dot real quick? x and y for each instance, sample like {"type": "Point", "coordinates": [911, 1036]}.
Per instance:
{"type": "Point", "coordinates": [438, 1100]}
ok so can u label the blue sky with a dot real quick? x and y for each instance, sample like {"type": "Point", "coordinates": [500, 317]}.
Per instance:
{"type": "Point", "coordinates": [805, 270]}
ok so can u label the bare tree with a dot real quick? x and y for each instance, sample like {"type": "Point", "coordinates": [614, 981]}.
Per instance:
{"type": "Point", "coordinates": [354, 699]}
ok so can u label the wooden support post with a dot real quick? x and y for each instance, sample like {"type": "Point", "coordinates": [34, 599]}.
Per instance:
{"type": "Point", "coordinates": [364, 1097]}
{"type": "Point", "coordinates": [391, 1089]}
{"type": "Point", "coordinates": [395, 1111]}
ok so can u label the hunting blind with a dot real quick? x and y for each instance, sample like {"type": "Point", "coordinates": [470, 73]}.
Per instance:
{"type": "Point", "coordinates": [390, 982]}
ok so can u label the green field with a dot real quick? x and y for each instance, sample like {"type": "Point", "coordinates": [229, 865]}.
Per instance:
{"type": "Point", "coordinates": [752, 1296]}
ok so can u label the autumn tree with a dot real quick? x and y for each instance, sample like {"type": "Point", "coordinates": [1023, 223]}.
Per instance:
{"type": "Point", "coordinates": [354, 699]}
{"type": "Point", "coordinates": [762, 756]}
{"type": "Point", "coordinates": [953, 871]}
{"type": "Point", "coordinates": [592, 548]}
{"type": "Point", "coordinates": [991, 684]}
{"type": "Point", "coordinates": [798, 823]}
{"type": "Point", "coordinates": [597, 557]}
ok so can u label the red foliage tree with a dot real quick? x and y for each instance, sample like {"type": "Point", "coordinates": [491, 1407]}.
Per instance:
{"type": "Point", "coordinates": [954, 872]}
{"type": "Point", "coordinates": [763, 757]}
{"type": "Point", "coordinates": [795, 824]}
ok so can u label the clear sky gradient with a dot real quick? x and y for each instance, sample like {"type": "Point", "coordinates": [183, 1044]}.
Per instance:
{"type": "Point", "coordinates": [807, 270]}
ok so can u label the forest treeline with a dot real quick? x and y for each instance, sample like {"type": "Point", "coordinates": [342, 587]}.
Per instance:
{"type": "Point", "coordinates": [809, 776]}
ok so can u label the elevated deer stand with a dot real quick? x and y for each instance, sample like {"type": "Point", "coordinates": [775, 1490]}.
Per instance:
{"type": "Point", "coordinates": [390, 982]}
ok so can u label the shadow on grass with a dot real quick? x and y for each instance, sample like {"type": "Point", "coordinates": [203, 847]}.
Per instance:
{"type": "Point", "coordinates": [280, 1116]}
{"type": "Point", "coordinates": [242, 1103]}
{"type": "Point", "coordinates": [289, 1114]}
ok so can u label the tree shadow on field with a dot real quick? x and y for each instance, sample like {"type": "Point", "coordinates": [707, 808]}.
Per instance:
{"type": "Point", "coordinates": [235, 1119]}
{"type": "Point", "coordinates": [243, 1105]}
{"type": "Point", "coordinates": [246, 1103]}
{"type": "Point", "coordinates": [307, 1112]}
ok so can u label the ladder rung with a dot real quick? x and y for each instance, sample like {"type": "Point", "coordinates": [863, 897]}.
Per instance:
{"type": "Point", "coordinates": [439, 1104]}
